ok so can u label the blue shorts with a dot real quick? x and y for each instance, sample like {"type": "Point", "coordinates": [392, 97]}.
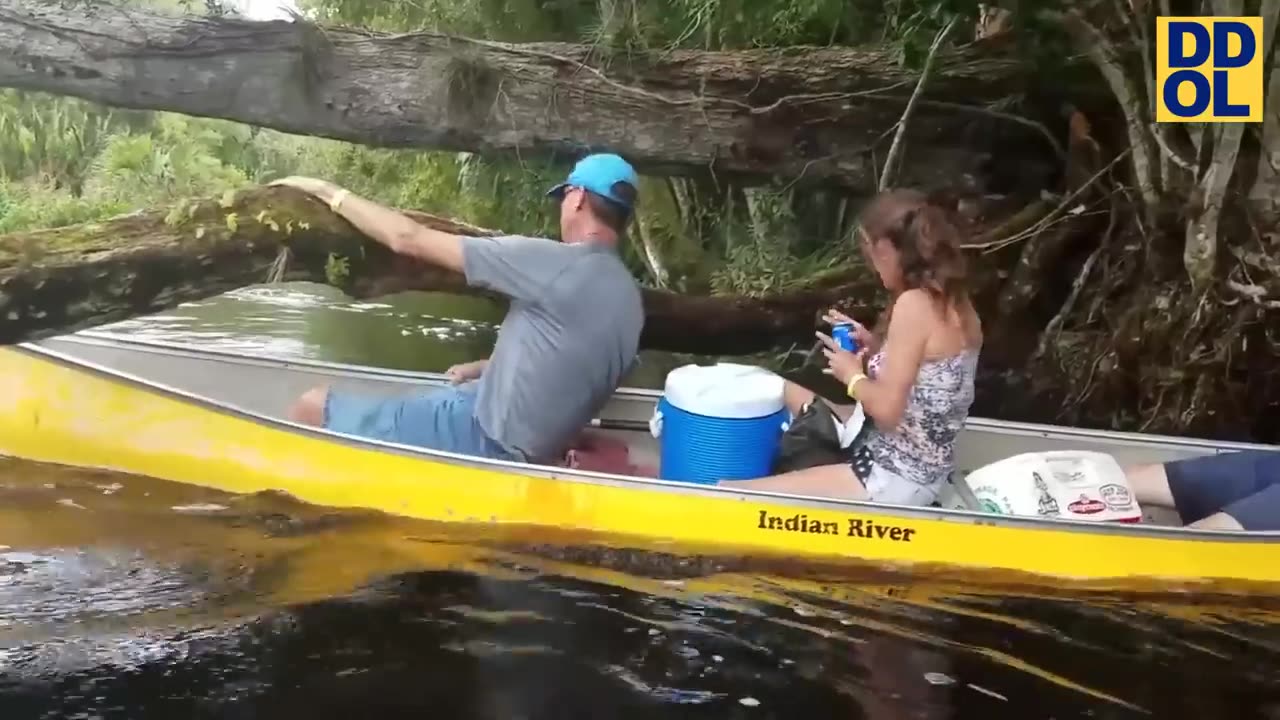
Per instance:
{"type": "Point", "coordinates": [437, 419]}
{"type": "Point", "coordinates": [1244, 485]}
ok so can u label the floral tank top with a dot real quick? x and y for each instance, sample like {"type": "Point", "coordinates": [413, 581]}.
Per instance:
{"type": "Point", "coordinates": [922, 449]}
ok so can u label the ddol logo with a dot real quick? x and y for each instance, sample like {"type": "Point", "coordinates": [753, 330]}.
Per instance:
{"type": "Point", "coordinates": [1209, 69]}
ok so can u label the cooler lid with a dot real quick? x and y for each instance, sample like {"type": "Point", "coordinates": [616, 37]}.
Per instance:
{"type": "Point", "coordinates": [725, 390]}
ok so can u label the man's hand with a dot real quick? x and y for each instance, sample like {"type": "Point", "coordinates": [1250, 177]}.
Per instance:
{"type": "Point", "coordinates": [463, 372]}
{"type": "Point", "coordinates": [389, 227]}
{"type": "Point", "coordinates": [322, 190]}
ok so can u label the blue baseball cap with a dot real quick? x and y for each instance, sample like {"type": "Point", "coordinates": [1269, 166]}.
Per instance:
{"type": "Point", "coordinates": [598, 173]}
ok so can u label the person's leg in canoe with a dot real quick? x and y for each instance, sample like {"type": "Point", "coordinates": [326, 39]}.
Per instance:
{"type": "Point", "coordinates": [1230, 491]}
{"type": "Point", "coordinates": [436, 419]}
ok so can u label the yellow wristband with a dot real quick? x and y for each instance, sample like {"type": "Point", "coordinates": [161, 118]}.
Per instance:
{"type": "Point", "coordinates": [854, 381]}
{"type": "Point", "coordinates": [338, 197]}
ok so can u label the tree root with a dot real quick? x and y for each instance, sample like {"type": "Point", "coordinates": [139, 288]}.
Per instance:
{"type": "Point", "coordinates": [1054, 328]}
{"type": "Point", "coordinates": [1143, 354]}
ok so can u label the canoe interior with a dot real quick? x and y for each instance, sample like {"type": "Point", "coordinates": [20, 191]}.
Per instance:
{"type": "Point", "coordinates": [269, 386]}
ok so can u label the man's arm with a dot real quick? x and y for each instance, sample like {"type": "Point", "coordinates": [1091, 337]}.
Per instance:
{"type": "Point", "coordinates": [388, 227]}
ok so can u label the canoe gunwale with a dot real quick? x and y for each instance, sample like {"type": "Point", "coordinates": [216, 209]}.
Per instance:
{"type": "Point", "coordinates": [345, 370]}
{"type": "Point", "coordinates": [800, 502]}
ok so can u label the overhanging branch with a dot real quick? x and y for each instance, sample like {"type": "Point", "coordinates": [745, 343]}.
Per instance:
{"type": "Point", "coordinates": [811, 113]}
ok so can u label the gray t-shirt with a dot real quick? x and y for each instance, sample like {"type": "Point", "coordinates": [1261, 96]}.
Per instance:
{"type": "Point", "coordinates": [571, 333]}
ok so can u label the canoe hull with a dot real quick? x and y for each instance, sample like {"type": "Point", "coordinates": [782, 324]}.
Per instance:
{"type": "Point", "coordinates": [59, 410]}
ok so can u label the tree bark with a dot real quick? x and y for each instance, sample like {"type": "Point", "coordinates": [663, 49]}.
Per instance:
{"type": "Point", "coordinates": [61, 280]}
{"type": "Point", "coordinates": [812, 114]}
{"type": "Point", "coordinates": [1265, 193]}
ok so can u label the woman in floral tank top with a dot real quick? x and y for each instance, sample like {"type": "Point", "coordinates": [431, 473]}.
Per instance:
{"type": "Point", "coordinates": [916, 384]}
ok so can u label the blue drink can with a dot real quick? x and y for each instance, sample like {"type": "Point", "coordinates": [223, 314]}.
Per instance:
{"type": "Point", "coordinates": [842, 333]}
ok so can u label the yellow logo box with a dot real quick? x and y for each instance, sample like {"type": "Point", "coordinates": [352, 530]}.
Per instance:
{"type": "Point", "coordinates": [1209, 69]}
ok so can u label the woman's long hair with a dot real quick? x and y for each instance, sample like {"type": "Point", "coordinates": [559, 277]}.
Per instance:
{"type": "Point", "coordinates": [927, 241]}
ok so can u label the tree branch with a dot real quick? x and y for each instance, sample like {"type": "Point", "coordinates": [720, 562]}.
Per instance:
{"type": "Point", "coordinates": [890, 172]}
{"type": "Point", "coordinates": [1169, 153]}
{"type": "Point", "coordinates": [1200, 253]}
{"type": "Point", "coordinates": [1054, 328]}
{"type": "Point", "coordinates": [793, 112]}
{"type": "Point", "coordinates": [1264, 196]}
{"type": "Point", "coordinates": [1099, 49]}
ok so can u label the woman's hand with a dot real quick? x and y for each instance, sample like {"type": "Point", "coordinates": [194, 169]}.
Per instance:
{"type": "Point", "coordinates": [842, 364]}
{"type": "Point", "coordinates": [861, 334]}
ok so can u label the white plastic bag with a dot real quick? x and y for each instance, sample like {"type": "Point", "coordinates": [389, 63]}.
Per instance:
{"type": "Point", "coordinates": [1069, 484]}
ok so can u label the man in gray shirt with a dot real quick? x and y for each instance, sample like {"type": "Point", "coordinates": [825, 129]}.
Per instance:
{"type": "Point", "coordinates": [571, 333]}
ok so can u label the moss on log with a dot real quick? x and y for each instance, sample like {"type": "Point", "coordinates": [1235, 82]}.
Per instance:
{"type": "Point", "coordinates": [61, 280]}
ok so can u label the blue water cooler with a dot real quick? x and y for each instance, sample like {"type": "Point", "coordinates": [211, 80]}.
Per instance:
{"type": "Point", "coordinates": [719, 422]}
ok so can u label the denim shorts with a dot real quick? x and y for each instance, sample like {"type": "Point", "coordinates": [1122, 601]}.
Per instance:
{"type": "Point", "coordinates": [436, 419]}
{"type": "Point", "coordinates": [1244, 485]}
{"type": "Point", "coordinates": [884, 486]}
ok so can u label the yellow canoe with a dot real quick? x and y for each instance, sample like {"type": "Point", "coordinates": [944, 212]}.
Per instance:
{"type": "Point", "coordinates": [215, 419]}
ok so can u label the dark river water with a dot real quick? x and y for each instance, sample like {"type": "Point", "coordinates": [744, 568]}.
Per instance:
{"type": "Point", "coordinates": [124, 597]}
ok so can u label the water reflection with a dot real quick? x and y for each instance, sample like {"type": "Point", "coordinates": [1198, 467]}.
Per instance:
{"type": "Point", "coordinates": [125, 603]}
{"type": "Point", "coordinates": [412, 331]}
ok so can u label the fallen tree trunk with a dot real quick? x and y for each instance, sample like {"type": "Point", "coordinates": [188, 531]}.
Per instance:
{"type": "Point", "coordinates": [66, 279]}
{"type": "Point", "coordinates": [814, 114]}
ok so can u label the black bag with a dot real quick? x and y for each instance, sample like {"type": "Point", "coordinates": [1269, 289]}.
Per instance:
{"type": "Point", "coordinates": [812, 439]}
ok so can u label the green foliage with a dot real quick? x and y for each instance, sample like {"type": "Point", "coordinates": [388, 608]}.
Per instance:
{"type": "Point", "coordinates": [162, 164]}
{"type": "Point", "coordinates": [337, 269]}
{"type": "Point", "coordinates": [39, 205]}
{"type": "Point", "coordinates": [764, 269]}
{"type": "Point", "coordinates": [510, 20]}
{"type": "Point", "coordinates": [914, 25]}
{"type": "Point", "coordinates": [707, 24]}
{"type": "Point", "coordinates": [52, 138]}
